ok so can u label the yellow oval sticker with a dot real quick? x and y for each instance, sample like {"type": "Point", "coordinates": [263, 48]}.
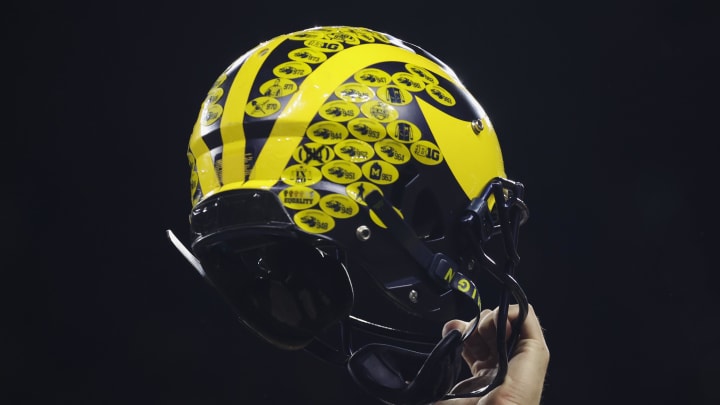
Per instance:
{"type": "Point", "coordinates": [354, 150]}
{"type": "Point", "coordinates": [314, 221]}
{"type": "Point", "coordinates": [339, 206]}
{"type": "Point", "coordinates": [341, 172]}
{"type": "Point", "coordinates": [327, 132]}
{"type": "Point", "coordinates": [299, 197]}
{"type": "Point", "coordinates": [300, 174]}
{"type": "Point", "coordinates": [426, 153]}
{"type": "Point", "coordinates": [367, 129]}
{"type": "Point", "coordinates": [380, 172]}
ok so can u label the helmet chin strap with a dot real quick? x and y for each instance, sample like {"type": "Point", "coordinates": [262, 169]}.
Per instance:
{"type": "Point", "coordinates": [438, 265]}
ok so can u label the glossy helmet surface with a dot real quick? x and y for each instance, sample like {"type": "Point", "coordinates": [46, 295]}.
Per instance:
{"type": "Point", "coordinates": [291, 140]}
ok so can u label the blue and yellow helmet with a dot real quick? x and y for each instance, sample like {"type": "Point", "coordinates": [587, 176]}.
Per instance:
{"type": "Point", "coordinates": [329, 168]}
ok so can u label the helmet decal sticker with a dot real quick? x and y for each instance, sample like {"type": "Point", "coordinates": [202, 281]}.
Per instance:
{"type": "Point", "coordinates": [394, 95]}
{"type": "Point", "coordinates": [324, 45]}
{"type": "Point", "coordinates": [404, 131]}
{"type": "Point", "coordinates": [367, 129]}
{"type": "Point", "coordinates": [305, 35]}
{"type": "Point", "coordinates": [211, 114]}
{"type": "Point", "coordinates": [314, 221]}
{"type": "Point", "coordinates": [380, 111]}
{"type": "Point", "coordinates": [341, 172]}
{"type": "Point", "coordinates": [354, 92]}
{"type": "Point", "coordinates": [327, 132]}
{"type": "Point", "coordinates": [299, 197]}
{"type": "Point", "coordinates": [339, 110]}
{"type": "Point", "coordinates": [339, 206]}
{"type": "Point", "coordinates": [307, 55]}
{"type": "Point", "coordinates": [408, 81]}
{"type": "Point", "coordinates": [392, 151]}
{"type": "Point", "coordinates": [301, 174]}
{"type": "Point", "coordinates": [422, 73]}
{"type": "Point", "coordinates": [279, 87]}
{"type": "Point", "coordinates": [372, 77]}
{"type": "Point", "coordinates": [345, 36]}
{"type": "Point", "coordinates": [358, 190]}
{"type": "Point", "coordinates": [262, 107]}
{"type": "Point", "coordinates": [440, 95]}
{"type": "Point", "coordinates": [354, 150]}
{"type": "Point", "coordinates": [292, 70]}
{"type": "Point", "coordinates": [313, 154]}
{"type": "Point", "coordinates": [380, 172]}
{"type": "Point", "coordinates": [426, 153]}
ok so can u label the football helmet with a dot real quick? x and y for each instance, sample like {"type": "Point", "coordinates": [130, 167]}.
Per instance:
{"type": "Point", "coordinates": [346, 189]}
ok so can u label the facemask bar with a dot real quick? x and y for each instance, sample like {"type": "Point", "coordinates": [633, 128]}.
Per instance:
{"type": "Point", "coordinates": [481, 223]}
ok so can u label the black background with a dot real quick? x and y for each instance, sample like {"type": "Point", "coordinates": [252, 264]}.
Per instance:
{"type": "Point", "coordinates": [606, 111]}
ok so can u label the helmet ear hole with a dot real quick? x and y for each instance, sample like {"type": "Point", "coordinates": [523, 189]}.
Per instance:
{"type": "Point", "coordinates": [425, 219]}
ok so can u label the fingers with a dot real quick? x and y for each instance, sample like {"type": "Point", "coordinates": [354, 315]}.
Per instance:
{"type": "Point", "coordinates": [523, 383]}
{"type": "Point", "coordinates": [527, 368]}
{"type": "Point", "coordinates": [462, 326]}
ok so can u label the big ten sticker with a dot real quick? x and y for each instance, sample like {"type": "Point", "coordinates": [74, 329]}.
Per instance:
{"type": "Point", "coordinates": [426, 153]}
{"type": "Point", "coordinates": [339, 206]}
{"type": "Point", "coordinates": [314, 221]}
{"type": "Point", "coordinates": [379, 110]}
{"type": "Point", "coordinates": [324, 45]}
{"type": "Point", "coordinates": [394, 95]}
{"type": "Point", "coordinates": [404, 131]}
{"type": "Point", "coordinates": [392, 151]}
{"type": "Point", "coordinates": [367, 129]}
{"type": "Point", "coordinates": [299, 197]}
{"type": "Point", "coordinates": [440, 95]}
{"type": "Point", "coordinates": [262, 107]}
{"type": "Point", "coordinates": [422, 73]}
{"type": "Point", "coordinates": [313, 154]}
{"type": "Point", "coordinates": [339, 110]}
{"type": "Point", "coordinates": [278, 87]}
{"type": "Point", "coordinates": [307, 55]}
{"type": "Point", "coordinates": [354, 150]}
{"type": "Point", "coordinates": [380, 172]}
{"type": "Point", "coordinates": [372, 77]}
{"type": "Point", "coordinates": [408, 81]}
{"type": "Point", "coordinates": [354, 92]}
{"type": "Point", "coordinates": [341, 172]}
{"type": "Point", "coordinates": [327, 132]}
{"type": "Point", "coordinates": [358, 190]}
{"type": "Point", "coordinates": [301, 174]}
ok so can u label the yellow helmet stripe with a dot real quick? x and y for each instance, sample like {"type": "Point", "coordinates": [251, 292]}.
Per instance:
{"type": "Point", "coordinates": [205, 169]}
{"type": "Point", "coordinates": [461, 149]}
{"type": "Point", "coordinates": [290, 126]}
{"type": "Point", "coordinates": [232, 130]}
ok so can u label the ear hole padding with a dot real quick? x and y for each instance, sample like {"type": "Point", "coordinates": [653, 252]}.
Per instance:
{"type": "Point", "coordinates": [425, 219]}
{"type": "Point", "coordinates": [402, 376]}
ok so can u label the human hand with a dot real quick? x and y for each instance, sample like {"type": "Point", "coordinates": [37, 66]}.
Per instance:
{"type": "Point", "coordinates": [525, 377]}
